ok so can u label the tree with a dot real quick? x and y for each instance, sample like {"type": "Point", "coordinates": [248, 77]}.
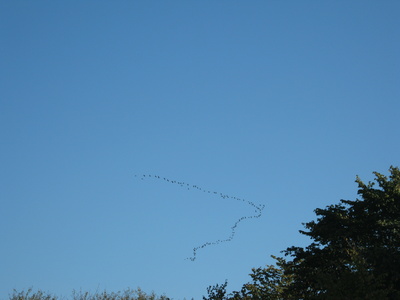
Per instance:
{"type": "Point", "coordinates": [354, 254]}
{"type": "Point", "coordinates": [356, 248]}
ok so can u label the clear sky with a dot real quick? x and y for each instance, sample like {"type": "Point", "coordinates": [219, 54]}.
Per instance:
{"type": "Point", "coordinates": [280, 103]}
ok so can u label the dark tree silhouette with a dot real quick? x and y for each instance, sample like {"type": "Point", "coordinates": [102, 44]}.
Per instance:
{"type": "Point", "coordinates": [354, 254]}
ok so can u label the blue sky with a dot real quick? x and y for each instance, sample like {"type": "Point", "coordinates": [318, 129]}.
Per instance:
{"type": "Point", "coordinates": [281, 103]}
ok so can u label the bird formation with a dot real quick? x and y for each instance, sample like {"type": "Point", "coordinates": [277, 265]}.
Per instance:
{"type": "Point", "coordinates": [257, 208]}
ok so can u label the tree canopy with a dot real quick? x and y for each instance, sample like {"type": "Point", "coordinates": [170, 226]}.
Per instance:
{"type": "Point", "coordinates": [354, 253]}
{"type": "Point", "coordinates": [128, 294]}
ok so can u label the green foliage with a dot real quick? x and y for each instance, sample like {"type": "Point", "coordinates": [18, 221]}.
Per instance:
{"type": "Point", "coordinates": [354, 254]}
{"type": "Point", "coordinates": [217, 292]}
{"type": "Point", "coordinates": [356, 248]}
{"type": "Point", "coordinates": [128, 294]}
{"type": "Point", "coordinates": [30, 295]}
{"type": "Point", "coordinates": [268, 283]}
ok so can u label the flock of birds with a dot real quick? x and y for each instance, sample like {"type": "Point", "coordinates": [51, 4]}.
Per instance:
{"type": "Point", "coordinates": [257, 208]}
